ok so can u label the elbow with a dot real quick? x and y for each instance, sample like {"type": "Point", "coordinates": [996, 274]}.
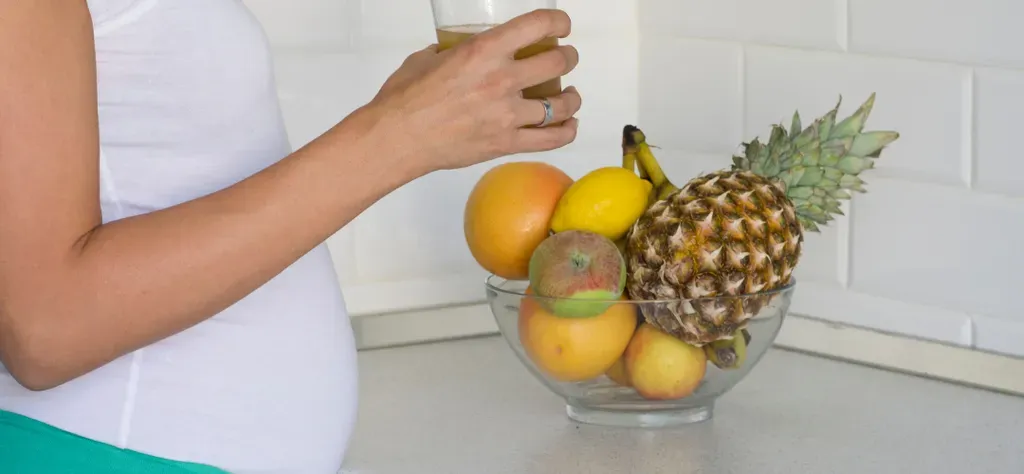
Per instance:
{"type": "Point", "coordinates": [31, 370]}
{"type": "Point", "coordinates": [33, 377]}
{"type": "Point", "coordinates": [29, 356]}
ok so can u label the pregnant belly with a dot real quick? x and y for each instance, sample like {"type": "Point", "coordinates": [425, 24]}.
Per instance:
{"type": "Point", "coordinates": [268, 385]}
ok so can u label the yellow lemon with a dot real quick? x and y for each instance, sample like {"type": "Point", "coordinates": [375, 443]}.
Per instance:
{"type": "Point", "coordinates": [606, 201]}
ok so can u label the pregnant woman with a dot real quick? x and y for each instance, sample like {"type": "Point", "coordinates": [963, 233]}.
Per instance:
{"type": "Point", "coordinates": [167, 303]}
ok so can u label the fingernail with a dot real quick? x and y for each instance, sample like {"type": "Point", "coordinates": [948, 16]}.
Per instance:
{"type": "Point", "coordinates": [570, 89]}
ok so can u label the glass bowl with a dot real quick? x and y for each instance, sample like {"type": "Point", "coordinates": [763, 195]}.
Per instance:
{"type": "Point", "coordinates": [580, 358]}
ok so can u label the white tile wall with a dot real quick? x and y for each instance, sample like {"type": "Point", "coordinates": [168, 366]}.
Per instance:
{"type": "Point", "coordinates": [962, 31]}
{"type": "Point", "coordinates": [998, 99]}
{"type": "Point", "coordinates": [924, 101]}
{"type": "Point", "coordinates": [694, 89]}
{"type": "Point", "coordinates": [932, 250]}
{"type": "Point", "coordinates": [805, 23]}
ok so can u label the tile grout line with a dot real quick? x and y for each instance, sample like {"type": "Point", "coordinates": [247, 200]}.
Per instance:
{"type": "Point", "coordinates": [868, 54]}
{"type": "Point", "coordinates": [968, 118]}
{"type": "Point", "coordinates": [845, 253]}
{"type": "Point", "coordinates": [355, 30]}
{"type": "Point", "coordinates": [971, 332]}
{"type": "Point", "coordinates": [843, 24]}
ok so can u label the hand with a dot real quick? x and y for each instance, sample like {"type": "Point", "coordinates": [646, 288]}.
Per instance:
{"type": "Point", "coordinates": [463, 106]}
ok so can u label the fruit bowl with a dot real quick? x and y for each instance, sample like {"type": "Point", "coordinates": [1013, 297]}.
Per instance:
{"type": "Point", "coordinates": [615, 369]}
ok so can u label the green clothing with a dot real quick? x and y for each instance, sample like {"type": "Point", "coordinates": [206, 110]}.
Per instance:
{"type": "Point", "coordinates": [28, 446]}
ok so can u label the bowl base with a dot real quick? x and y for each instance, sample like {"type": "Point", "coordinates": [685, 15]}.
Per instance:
{"type": "Point", "coordinates": [640, 419]}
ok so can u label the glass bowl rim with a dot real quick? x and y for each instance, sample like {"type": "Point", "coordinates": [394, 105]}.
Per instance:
{"type": "Point", "coordinates": [488, 282]}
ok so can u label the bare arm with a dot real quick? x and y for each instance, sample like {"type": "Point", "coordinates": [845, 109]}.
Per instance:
{"type": "Point", "coordinates": [75, 294]}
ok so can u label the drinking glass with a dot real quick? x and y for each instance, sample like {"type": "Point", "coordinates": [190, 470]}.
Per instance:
{"type": "Point", "coordinates": [458, 20]}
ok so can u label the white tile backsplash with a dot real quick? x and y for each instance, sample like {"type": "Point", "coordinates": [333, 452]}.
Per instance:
{"type": "Point", "coordinates": [416, 231]}
{"type": "Point", "coordinates": [964, 31]}
{"type": "Point", "coordinates": [998, 335]}
{"type": "Point", "coordinates": [824, 257]}
{"type": "Point", "coordinates": [690, 93]}
{"type": "Point", "coordinates": [923, 101]}
{"type": "Point", "coordinates": [394, 22]}
{"type": "Point", "coordinates": [818, 24]}
{"type": "Point", "coordinates": [317, 90]}
{"type": "Point", "coordinates": [891, 315]}
{"type": "Point", "coordinates": [999, 102]}
{"type": "Point", "coordinates": [937, 245]}
{"type": "Point", "coordinates": [608, 88]}
{"type": "Point", "coordinates": [608, 19]}
{"type": "Point", "coordinates": [930, 251]}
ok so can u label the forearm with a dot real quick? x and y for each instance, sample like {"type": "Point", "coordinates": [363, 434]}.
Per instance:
{"type": "Point", "coordinates": [134, 281]}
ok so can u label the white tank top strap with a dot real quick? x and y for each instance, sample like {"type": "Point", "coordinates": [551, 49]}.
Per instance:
{"type": "Point", "coordinates": [109, 15]}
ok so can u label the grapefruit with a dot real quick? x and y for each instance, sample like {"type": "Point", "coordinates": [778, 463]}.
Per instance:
{"type": "Point", "coordinates": [575, 349]}
{"type": "Point", "coordinates": [508, 214]}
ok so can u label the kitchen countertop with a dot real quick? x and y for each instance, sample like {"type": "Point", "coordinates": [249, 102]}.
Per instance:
{"type": "Point", "coordinates": [468, 406]}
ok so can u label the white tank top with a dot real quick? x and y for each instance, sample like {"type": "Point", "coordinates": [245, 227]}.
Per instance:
{"type": "Point", "coordinates": [188, 106]}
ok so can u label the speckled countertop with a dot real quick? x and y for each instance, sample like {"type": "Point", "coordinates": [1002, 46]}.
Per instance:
{"type": "Point", "coordinates": [469, 407]}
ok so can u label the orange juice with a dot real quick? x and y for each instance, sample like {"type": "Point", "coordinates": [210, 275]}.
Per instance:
{"type": "Point", "coordinates": [452, 35]}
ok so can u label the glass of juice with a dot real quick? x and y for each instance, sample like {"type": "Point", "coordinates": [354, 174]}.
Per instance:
{"type": "Point", "coordinates": [457, 20]}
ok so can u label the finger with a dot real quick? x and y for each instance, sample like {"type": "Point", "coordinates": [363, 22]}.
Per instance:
{"type": "Point", "coordinates": [545, 66]}
{"type": "Point", "coordinates": [564, 106]}
{"type": "Point", "coordinates": [526, 29]}
{"type": "Point", "coordinates": [533, 140]}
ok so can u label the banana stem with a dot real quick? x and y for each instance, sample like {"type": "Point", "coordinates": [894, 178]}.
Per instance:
{"type": "Point", "coordinates": [629, 161]}
{"type": "Point", "coordinates": [634, 141]}
{"type": "Point", "coordinates": [641, 171]}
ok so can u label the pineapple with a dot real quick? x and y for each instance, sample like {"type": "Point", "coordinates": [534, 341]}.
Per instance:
{"type": "Point", "coordinates": [738, 232]}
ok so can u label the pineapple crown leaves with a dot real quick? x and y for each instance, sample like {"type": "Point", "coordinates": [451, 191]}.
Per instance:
{"type": "Point", "coordinates": [819, 165]}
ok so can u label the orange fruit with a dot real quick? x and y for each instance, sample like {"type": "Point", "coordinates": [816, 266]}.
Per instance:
{"type": "Point", "coordinates": [508, 214]}
{"type": "Point", "coordinates": [575, 349]}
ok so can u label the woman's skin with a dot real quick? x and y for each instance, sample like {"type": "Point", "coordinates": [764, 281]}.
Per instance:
{"type": "Point", "coordinates": [76, 294]}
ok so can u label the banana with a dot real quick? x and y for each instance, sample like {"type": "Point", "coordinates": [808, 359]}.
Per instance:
{"type": "Point", "coordinates": [729, 354]}
{"type": "Point", "coordinates": [629, 161]}
{"type": "Point", "coordinates": [634, 144]}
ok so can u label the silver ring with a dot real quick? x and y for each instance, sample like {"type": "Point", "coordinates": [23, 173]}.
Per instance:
{"type": "Point", "coordinates": [549, 112]}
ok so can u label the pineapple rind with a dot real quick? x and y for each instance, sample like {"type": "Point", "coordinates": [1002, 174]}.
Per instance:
{"type": "Point", "coordinates": [714, 250]}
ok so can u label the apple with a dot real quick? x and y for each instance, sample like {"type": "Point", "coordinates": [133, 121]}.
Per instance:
{"type": "Point", "coordinates": [661, 367]}
{"type": "Point", "coordinates": [577, 273]}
